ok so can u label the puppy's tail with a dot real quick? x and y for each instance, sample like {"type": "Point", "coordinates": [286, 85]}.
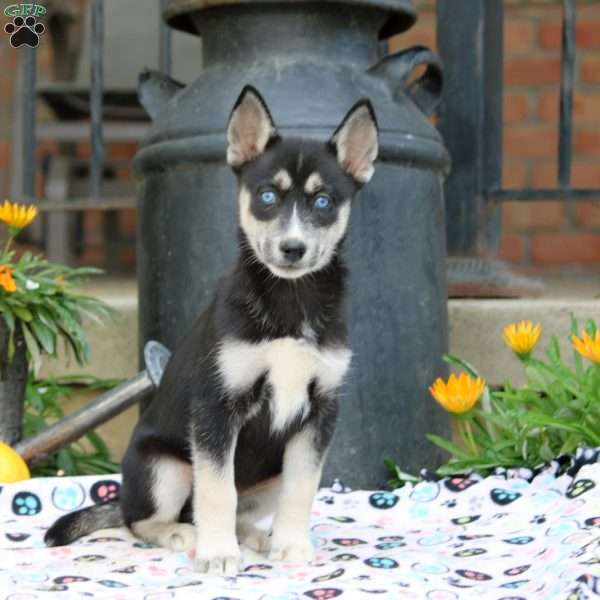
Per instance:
{"type": "Point", "coordinates": [82, 522]}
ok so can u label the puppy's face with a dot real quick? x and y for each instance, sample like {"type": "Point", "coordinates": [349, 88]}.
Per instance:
{"type": "Point", "coordinates": [295, 194]}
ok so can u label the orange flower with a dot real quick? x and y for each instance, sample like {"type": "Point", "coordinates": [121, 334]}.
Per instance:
{"type": "Point", "coordinates": [588, 346]}
{"type": "Point", "coordinates": [17, 216]}
{"type": "Point", "coordinates": [460, 394]}
{"type": "Point", "coordinates": [6, 279]}
{"type": "Point", "coordinates": [522, 337]}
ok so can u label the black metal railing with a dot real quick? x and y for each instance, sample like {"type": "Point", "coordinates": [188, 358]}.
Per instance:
{"type": "Point", "coordinates": [470, 40]}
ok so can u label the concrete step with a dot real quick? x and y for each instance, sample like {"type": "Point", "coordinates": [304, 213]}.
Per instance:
{"type": "Point", "coordinates": [475, 328]}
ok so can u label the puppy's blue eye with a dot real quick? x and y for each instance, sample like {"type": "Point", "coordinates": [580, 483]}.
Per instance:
{"type": "Point", "coordinates": [268, 198]}
{"type": "Point", "coordinates": [322, 202]}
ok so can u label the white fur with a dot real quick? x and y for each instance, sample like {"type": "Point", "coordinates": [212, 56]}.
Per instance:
{"type": "Point", "coordinates": [291, 364]}
{"type": "Point", "coordinates": [215, 504]}
{"type": "Point", "coordinates": [313, 183]}
{"type": "Point", "coordinates": [171, 485]}
{"type": "Point", "coordinates": [357, 144]}
{"type": "Point", "coordinates": [300, 480]}
{"type": "Point", "coordinates": [282, 180]}
{"type": "Point", "coordinates": [295, 229]}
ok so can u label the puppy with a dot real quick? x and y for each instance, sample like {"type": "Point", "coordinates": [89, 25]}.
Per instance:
{"type": "Point", "coordinates": [241, 422]}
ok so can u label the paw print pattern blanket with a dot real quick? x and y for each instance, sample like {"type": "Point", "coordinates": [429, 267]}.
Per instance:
{"type": "Point", "coordinates": [503, 537]}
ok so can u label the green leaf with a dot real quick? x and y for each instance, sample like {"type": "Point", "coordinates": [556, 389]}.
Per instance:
{"type": "Point", "coordinates": [23, 313]}
{"type": "Point", "coordinates": [448, 446]}
{"type": "Point", "coordinates": [44, 335]}
{"type": "Point", "coordinates": [33, 349]}
{"type": "Point", "coordinates": [451, 359]}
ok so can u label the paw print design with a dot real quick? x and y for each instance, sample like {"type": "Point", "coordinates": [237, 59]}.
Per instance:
{"type": "Point", "coordinates": [474, 536]}
{"type": "Point", "coordinates": [323, 593]}
{"type": "Point", "coordinates": [465, 520]}
{"type": "Point", "coordinates": [449, 503]}
{"type": "Point", "coordinates": [111, 583]}
{"type": "Point", "coordinates": [581, 486]}
{"type": "Point", "coordinates": [70, 579]}
{"type": "Point", "coordinates": [345, 557]}
{"type": "Point", "coordinates": [503, 497]}
{"type": "Point", "coordinates": [459, 484]}
{"type": "Point", "coordinates": [389, 545]}
{"type": "Point", "coordinates": [425, 492]}
{"type": "Point", "coordinates": [390, 538]}
{"type": "Point", "coordinates": [104, 491]}
{"type": "Point", "coordinates": [24, 32]}
{"type": "Point", "coordinates": [519, 540]}
{"type": "Point", "coordinates": [473, 575]}
{"type": "Point", "coordinates": [381, 562]}
{"type": "Point", "coordinates": [327, 499]}
{"type": "Point", "coordinates": [513, 585]}
{"type": "Point", "coordinates": [17, 537]}
{"type": "Point", "coordinates": [467, 552]}
{"type": "Point", "coordinates": [347, 542]}
{"type": "Point", "coordinates": [512, 572]}
{"type": "Point", "coordinates": [90, 558]}
{"type": "Point", "coordinates": [68, 496]}
{"type": "Point", "coordinates": [144, 545]}
{"type": "Point", "coordinates": [124, 570]}
{"type": "Point", "coordinates": [26, 504]}
{"type": "Point", "coordinates": [342, 519]}
{"type": "Point", "coordinates": [329, 576]}
{"type": "Point", "coordinates": [538, 519]}
{"type": "Point", "coordinates": [592, 522]}
{"type": "Point", "coordinates": [383, 500]}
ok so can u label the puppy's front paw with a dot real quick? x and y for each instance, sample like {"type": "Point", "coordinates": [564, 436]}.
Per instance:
{"type": "Point", "coordinates": [225, 560]}
{"type": "Point", "coordinates": [255, 538]}
{"type": "Point", "coordinates": [292, 551]}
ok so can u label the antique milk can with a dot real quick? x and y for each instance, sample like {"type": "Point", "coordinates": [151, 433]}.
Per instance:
{"type": "Point", "coordinates": [311, 61]}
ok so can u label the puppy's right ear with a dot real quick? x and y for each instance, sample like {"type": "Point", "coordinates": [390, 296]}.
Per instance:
{"type": "Point", "coordinates": [250, 128]}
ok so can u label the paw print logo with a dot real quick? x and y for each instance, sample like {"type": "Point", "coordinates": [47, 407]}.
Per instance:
{"type": "Point", "coordinates": [538, 519]}
{"type": "Point", "coordinates": [26, 504]}
{"type": "Point", "coordinates": [389, 545]}
{"type": "Point", "coordinates": [592, 522]}
{"type": "Point", "coordinates": [68, 496]}
{"type": "Point", "coordinates": [90, 558]}
{"type": "Point", "coordinates": [104, 491]}
{"type": "Point", "coordinates": [329, 576]}
{"type": "Point", "coordinates": [579, 487]}
{"type": "Point", "coordinates": [459, 484]}
{"type": "Point", "coordinates": [381, 562]}
{"type": "Point", "coordinates": [383, 500]}
{"type": "Point", "coordinates": [468, 552]}
{"type": "Point", "coordinates": [347, 541]}
{"type": "Point", "coordinates": [503, 497]}
{"type": "Point", "coordinates": [70, 579]}
{"type": "Point", "coordinates": [323, 593]}
{"type": "Point", "coordinates": [342, 519]}
{"type": "Point", "coordinates": [520, 540]}
{"type": "Point", "coordinates": [111, 583]}
{"type": "Point", "coordinates": [24, 32]}
{"type": "Point", "coordinates": [345, 557]}
{"type": "Point", "coordinates": [465, 520]}
{"type": "Point", "coordinates": [473, 575]}
{"type": "Point", "coordinates": [17, 537]}
{"type": "Point", "coordinates": [516, 570]}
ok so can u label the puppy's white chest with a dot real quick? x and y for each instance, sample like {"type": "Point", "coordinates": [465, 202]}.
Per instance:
{"type": "Point", "coordinates": [290, 365]}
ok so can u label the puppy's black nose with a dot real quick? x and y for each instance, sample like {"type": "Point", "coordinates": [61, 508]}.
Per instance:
{"type": "Point", "coordinates": [292, 250]}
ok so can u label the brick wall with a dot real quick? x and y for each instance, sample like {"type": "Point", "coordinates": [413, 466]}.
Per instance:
{"type": "Point", "coordinates": [535, 235]}
{"type": "Point", "coordinates": [543, 235]}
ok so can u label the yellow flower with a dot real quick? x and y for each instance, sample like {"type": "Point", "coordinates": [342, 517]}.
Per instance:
{"type": "Point", "coordinates": [6, 279]}
{"type": "Point", "coordinates": [460, 394]}
{"type": "Point", "coordinates": [522, 337]}
{"type": "Point", "coordinates": [17, 216]}
{"type": "Point", "coordinates": [588, 346]}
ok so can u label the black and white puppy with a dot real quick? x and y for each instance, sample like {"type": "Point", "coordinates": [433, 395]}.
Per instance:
{"type": "Point", "coordinates": [246, 409]}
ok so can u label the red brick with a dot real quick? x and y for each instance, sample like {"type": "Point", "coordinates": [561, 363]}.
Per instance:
{"type": "Point", "coordinates": [590, 69]}
{"type": "Point", "coordinates": [587, 214]}
{"type": "Point", "coordinates": [512, 247]}
{"type": "Point", "coordinates": [532, 216]}
{"type": "Point", "coordinates": [518, 35]}
{"type": "Point", "coordinates": [514, 173]}
{"type": "Point", "coordinates": [566, 248]}
{"type": "Point", "coordinates": [128, 221]}
{"type": "Point", "coordinates": [586, 106]}
{"type": "Point", "coordinates": [587, 141]}
{"type": "Point", "coordinates": [586, 34]}
{"type": "Point", "coordinates": [532, 70]}
{"type": "Point", "coordinates": [530, 141]}
{"type": "Point", "coordinates": [584, 174]}
{"type": "Point", "coordinates": [121, 150]}
{"type": "Point", "coordinates": [515, 108]}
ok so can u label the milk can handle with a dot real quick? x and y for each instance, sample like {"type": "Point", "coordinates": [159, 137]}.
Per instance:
{"type": "Point", "coordinates": [395, 69]}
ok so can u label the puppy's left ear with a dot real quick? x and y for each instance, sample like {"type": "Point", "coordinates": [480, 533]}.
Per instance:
{"type": "Point", "coordinates": [355, 141]}
{"type": "Point", "coordinates": [250, 128]}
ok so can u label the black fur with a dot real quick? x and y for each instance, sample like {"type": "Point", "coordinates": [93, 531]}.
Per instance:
{"type": "Point", "coordinates": [251, 304]}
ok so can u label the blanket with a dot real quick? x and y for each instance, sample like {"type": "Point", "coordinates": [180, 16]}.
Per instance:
{"type": "Point", "coordinates": [501, 537]}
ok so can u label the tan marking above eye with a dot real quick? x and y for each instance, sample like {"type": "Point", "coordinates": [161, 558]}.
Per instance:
{"type": "Point", "coordinates": [313, 183]}
{"type": "Point", "coordinates": [282, 180]}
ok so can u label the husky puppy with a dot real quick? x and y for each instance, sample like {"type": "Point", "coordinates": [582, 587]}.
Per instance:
{"type": "Point", "coordinates": [241, 422]}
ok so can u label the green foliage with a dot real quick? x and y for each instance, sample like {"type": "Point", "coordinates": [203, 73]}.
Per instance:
{"type": "Point", "coordinates": [557, 410]}
{"type": "Point", "coordinates": [47, 309]}
{"type": "Point", "coordinates": [43, 398]}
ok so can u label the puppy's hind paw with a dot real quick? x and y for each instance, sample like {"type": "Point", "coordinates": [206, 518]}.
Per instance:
{"type": "Point", "coordinates": [255, 538]}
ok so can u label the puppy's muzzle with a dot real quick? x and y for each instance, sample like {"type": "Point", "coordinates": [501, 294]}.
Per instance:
{"type": "Point", "coordinates": [292, 250]}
